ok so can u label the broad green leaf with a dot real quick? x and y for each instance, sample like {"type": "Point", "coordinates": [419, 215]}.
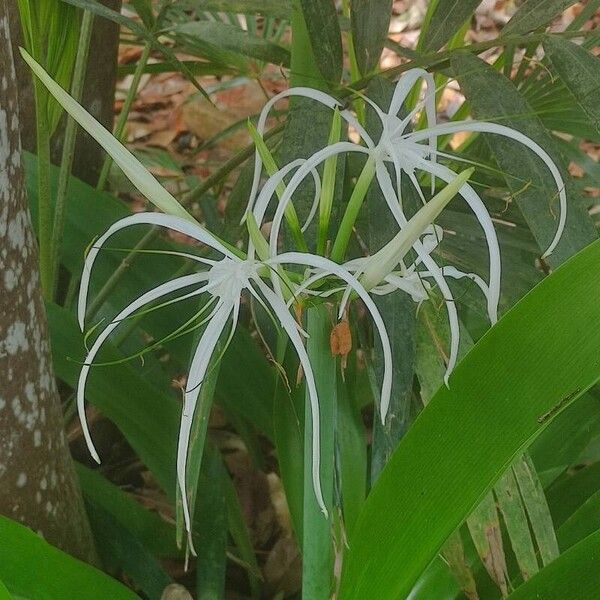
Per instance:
{"type": "Point", "coordinates": [571, 491]}
{"type": "Point", "coordinates": [580, 71]}
{"type": "Point", "coordinates": [493, 97]}
{"type": "Point", "coordinates": [4, 594]}
{"type": "Point", "coordinates": [560, 445]}
{"type": "Point", "coordinates": [574, 575]}
{"type": "Point", "coordinates": [503, 393]}
{"type": "Point", "coordinates": [143, 180]}
{"type": "Point", "coordinates": [370, 20]}
{"type": "Point", "coordinates": [122, 552]}
{"type": "Point", "coordinates": [350, 444]}
{"type": "Point", "coordinates": [32, 568]}
{"type": "Point", "coordinates": [323, 28]}
{"type": "Point", "coordinates": [146, 416]}
{"type": "Point", "coordinates": [433, 337]}
{"type": "Point", "coordinates": [535, 13]}
{"type": "Point", "coordinates": [154, 532]}
{"type": "Point", "coordinates": [235, 39]}
{"type": "Point", "coordinates": [583, 522]}
{"type": "Point", "coordinates": [447, 17]}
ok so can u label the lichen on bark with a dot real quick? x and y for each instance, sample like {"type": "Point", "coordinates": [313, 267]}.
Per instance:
{"type": "Point", "coordinates": [38, 486]}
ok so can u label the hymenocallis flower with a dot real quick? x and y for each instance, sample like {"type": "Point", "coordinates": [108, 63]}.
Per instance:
{"type": "Point", "coordinates": [223, 281]}
{"type": "Point", "coordinates": [411, 151]}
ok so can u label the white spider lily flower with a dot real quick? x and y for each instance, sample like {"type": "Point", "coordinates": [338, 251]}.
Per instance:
{"type": "Point", "coordinates": [224, 281]}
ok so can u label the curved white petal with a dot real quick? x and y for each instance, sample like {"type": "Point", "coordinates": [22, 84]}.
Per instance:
{"type": "Point", "coordinates": [328, 266]}
{"type": "Point", "coordinates": [199, 365]}
{"type": "Point", "coordinates": [479, 209]}
{"type": "Point", "coordinates": [483, 127]}
{"type": "Point", "coordinates": [430, 264]}
{"type": "Point", "coordinates": [298, 177]}
{"type": "Point", "coordinates": [168, 221]}
{"type": "Point", "coordinates": [290, 327]}
{"type": "Point", "coordinates": [305, 92]}
{"type": "Point", "coordinates": [150, 296]}
{"type": "Point", "coordinates": [451, 271]}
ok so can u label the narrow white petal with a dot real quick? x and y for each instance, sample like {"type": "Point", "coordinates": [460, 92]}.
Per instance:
{"type": "Point", "coordinates": [451, 271]}
{"type": "Point", "coordinates": [305, 92]}
{"type": "Point", "coordinates": [430, 265]}
{"type": "Point", "coordinates": [482, 127]}
{"type": "Point", "coordinates": [199, 365]}
{"type": "Point", "coordinates": [174, 223]}
{"type": "Point", "coordinates": [479, 209]}
{"type": "Point", "coordinates": [316, 198]}
{"type": "Point", "coordinates": [150, 296]}
{"type": "Point", "coordinates": [289, 325]}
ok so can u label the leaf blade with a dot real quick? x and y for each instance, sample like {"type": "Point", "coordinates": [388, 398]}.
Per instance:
{"type": "Point", "coordinates": [455, 467]}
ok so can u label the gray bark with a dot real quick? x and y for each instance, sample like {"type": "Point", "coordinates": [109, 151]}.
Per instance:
{"type": "Point", "coordinates": [38, 486]}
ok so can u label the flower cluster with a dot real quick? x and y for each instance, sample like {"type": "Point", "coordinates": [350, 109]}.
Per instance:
{"type": "Point", "coordinates": [405, 264]}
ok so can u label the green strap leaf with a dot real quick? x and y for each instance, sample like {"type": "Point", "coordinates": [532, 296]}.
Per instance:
{"type": "Point", "coordinates": [4, 595]}
{"type": "Point", "coordinates": [98, 9]}
{"type": "Point", "coordinates": [494, 98]}
{"type": "Point", "coordinates": [370, 20]}
{"type": "Point", "coordinates": [234, 39]}
{"type": "Point", "coordinates": [535, 13]}
{"type": "Point", "coordinates": [580, 71]}
{"type": "Point", "coordinates": [317, 547]}
{"type": "Point", "coordinates": [156, 534]}
{"type": "Point", "coordinates": [32, 568]}
{"type": "Point", "coordinates": [574, 575]}
{"type": "Point", "coordinates": [447, 17]}
{"type": "Point", "coordinates": [503, 393]}
{"type": "Point", "coordinates": [325, 36]}
{"type": "Point", "coordinates": [536, 505]}
{"type": "Point", "coordinates": [515, 519]}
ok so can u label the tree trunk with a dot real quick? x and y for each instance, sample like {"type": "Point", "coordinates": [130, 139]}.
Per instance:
{"type": "Point", "coordinates": [38, 485]}
{"type": "Point", "coordinates": [98, 96]}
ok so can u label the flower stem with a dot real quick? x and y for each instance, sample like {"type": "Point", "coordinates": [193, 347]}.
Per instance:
{"type": "Point", "coordinates": [352, 210]}
{"type": "Point", "coordinates": [124, 114]}
{"type": "Point", "coordinates": [317, 546]}
{"type": "Point", "coordinates": [68, 150]}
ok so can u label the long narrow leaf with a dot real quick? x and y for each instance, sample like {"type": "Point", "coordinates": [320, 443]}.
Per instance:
{"type": "Point", "coordinates": [580, 71]}
{"type": "Point", "coordinates": [29, 565]}
{"type": "Point", "coordinates": [505, 391]}
{"type": "Point", "coordinates": [574, 575]}
{"type": "Point", "coordinates": [493, 97]}
{"type": "Point", "coordinates": [323, 27]}
{"type": "Point", "coordinates": [370, 21]}
{"type": "Point", "coordinates": [448, 16]}
{"type": "Point", "coordinates": [535, 13]}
